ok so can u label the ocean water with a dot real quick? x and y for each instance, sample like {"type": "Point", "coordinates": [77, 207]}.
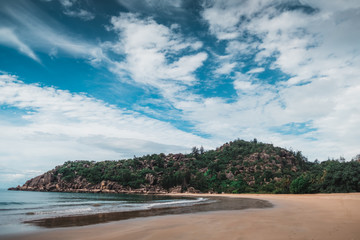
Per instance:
{"type": "Point", "coordinates": [18, 207]}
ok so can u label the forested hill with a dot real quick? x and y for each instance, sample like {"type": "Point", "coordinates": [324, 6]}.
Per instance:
{"type": "Point", "coordinates": [236, 167]}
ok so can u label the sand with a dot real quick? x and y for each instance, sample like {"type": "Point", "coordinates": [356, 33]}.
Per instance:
{"type": "Point", "coordinates": [317, 216]}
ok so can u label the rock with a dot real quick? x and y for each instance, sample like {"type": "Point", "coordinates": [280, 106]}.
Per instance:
{"type": "Point", "coordinates": [177, 189]}
{"type": "Point", "coordinates": [103, 184]}
{"type": "Point", "coordinates": [230, 175]}
{"type": "Point", "coordinates": [150, 178]}
{"type": "Point", "coordinates": [50, 187]}
{"type": "Point", "coordinates": [192, 190]}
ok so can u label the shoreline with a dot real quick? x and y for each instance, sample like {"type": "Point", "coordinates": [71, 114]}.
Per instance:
{"type": "Point", "coordinates": [315, 216]}
{"type": "Point", "coordinates": [213, 203]}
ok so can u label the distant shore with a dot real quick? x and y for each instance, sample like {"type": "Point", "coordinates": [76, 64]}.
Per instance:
{"type": "Point", "coordinates": [317, 216]}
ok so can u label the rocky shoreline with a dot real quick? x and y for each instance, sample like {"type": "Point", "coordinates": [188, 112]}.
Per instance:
{"type": "Point", "coordinates": [48, 182]}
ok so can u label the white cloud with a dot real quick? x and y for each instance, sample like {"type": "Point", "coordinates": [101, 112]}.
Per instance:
{"type": "Point", "coordinates": [234, 47]}
{"type": "Point", "coordinates": [256, 70]}
{"type": "Point", "coordinates": [318, 49]}
{"type": "Point", "coordinates": [332, 6]}
{"type": "Point", "coordinates": [12, 177]}
{"type": "Point", "coordinates": [153, 54]}
{"type": "Point", "coordinates": [226, 68]}
{"type": "Point", "coordinates": [71, 10]}
{"type": "Point", "coordinates": [81, 13]}
{"type": "Point", "coordinates": [320, 52]}
{"type": "Point", "coordinates": [301, 45]}
{"type": "Point", "coordinates": [224, 16]}
{"type": "Point", "coordinates": [245, 83]}
{"type": "Point", "coordinates": [244, 86]}
{"type": "Point", "coordinates": [9, 38]}
{"type": "Point", "coordinates": [172, 8]}
{"type": "Point", "coordinates": [67, 3]}
{"type": "Point", "coordinates": [43, 33]}
{"type": "Point", "coordinates": [57, 125]}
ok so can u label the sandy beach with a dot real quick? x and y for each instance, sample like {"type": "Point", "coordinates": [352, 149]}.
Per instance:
{"type": "Point", "coordinates": [317, 216]}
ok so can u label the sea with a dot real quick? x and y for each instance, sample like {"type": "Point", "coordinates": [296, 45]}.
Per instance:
{"type": "Point", "coordinates": [18, 208]}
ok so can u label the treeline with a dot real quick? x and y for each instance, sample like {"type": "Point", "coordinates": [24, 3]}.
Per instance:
{"type": "Point", "coordinates": [236, 167]}
{"type": "Point", "coordinates": [331, 176]}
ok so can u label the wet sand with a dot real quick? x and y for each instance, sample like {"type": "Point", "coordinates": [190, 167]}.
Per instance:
{"type": "Point", "coordinates": [318, 216]}
{"type": "Point", "coordinates": [213, 204]}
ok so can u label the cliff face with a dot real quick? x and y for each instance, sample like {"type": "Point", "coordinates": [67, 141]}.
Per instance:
{"type": "Point", "coordinates": [237, 166]}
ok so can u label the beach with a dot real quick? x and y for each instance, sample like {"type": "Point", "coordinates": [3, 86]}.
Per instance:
{"type": "Point", "coordinates": [315, 216]}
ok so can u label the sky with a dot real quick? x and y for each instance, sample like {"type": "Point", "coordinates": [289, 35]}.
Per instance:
{"type": "Point", "coordinates": [111, 79]}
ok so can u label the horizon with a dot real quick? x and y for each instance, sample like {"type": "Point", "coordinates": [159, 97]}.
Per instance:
{"type": "Point", "coordinates": [94, 80]}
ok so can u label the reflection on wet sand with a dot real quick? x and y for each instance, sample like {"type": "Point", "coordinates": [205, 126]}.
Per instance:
{"type": "Point", "coordinates": [216, 204]}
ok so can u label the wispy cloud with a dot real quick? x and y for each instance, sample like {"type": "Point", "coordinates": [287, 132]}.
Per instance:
{"type": "Point", "coordinates": [45, 34]}
{"type": "Point", "coordinates": [9, 38]}
{"type": "Point", "coordinates": [83, 14]}
{"type": "Point", "coordinates": [172, 9]}
{"type": "Point", "coordinates": [72, 8]}
{"type": "Point", "coordinates": [67, 3]}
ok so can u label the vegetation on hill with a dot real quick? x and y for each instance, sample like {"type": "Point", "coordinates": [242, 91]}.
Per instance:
{"type": "Point", "coordinates": [235, 167]}
{"type": "Point", "coordinates": [331, 176]}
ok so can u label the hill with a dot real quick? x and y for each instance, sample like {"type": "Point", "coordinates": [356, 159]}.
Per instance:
{"type": "Point", "coordinates": [235, 167]}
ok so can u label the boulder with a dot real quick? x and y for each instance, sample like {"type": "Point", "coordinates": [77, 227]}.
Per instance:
{"type": "Point", "coordinates": [177, 189]}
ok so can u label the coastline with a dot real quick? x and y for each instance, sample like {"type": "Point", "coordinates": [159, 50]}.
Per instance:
{"type": "Point", "coordinates": [316, 216]}
{"type": "Point", "coordinates": [214, 203]}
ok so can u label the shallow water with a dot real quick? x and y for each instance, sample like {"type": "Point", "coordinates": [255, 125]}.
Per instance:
{"type": "Point", "coordinates": [199, 205]}
{"type": "Point", "coordinates": [20, 210]}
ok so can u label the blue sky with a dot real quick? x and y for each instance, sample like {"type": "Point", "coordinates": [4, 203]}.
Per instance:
{"type": "Point", "coordinates": [113, 79]}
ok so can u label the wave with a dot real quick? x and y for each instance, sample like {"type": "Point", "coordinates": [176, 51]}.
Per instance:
{"type": "Point", "coordinates": [178, 203]}
{"type": "Point", "coordinates": [121, 207]}
{"type": "Point", "coordinates": [11, 203]}
{"type": "Point", "coordinates": [65, 211]}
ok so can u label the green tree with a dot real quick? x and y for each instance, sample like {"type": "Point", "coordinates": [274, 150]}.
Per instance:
{"type": "Point", "coordinates": [300, 185]}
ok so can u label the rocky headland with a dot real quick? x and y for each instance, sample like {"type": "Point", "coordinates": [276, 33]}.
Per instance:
{"type": "Point", "coordinates": [235, 167]}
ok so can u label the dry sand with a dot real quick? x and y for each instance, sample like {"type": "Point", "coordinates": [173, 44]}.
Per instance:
{"type": "Point", "coordinates": [318, 216]}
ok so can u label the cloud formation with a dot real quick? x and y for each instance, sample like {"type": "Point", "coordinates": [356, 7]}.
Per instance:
{"type": "Point", "coordinates": [313, 43]}
{"type": "Point", "coordinates": [72, 9]}
{"type": "Point", "coordinates": [155, 54]}
{"type": "Point", "coordinates": [44, 34]}
{"type": "Point", "coordinates": [285, 72]}
{"type": "Point", "coordinates": [56, 125]}
{"type": "Point", "coordinates": [9, 38]}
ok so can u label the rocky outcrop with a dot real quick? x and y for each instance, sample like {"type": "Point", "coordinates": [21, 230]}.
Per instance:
{"type": "Point", "coordinates": [235, 166]}
{"type": "Point", "coordinates": [49, 182]}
